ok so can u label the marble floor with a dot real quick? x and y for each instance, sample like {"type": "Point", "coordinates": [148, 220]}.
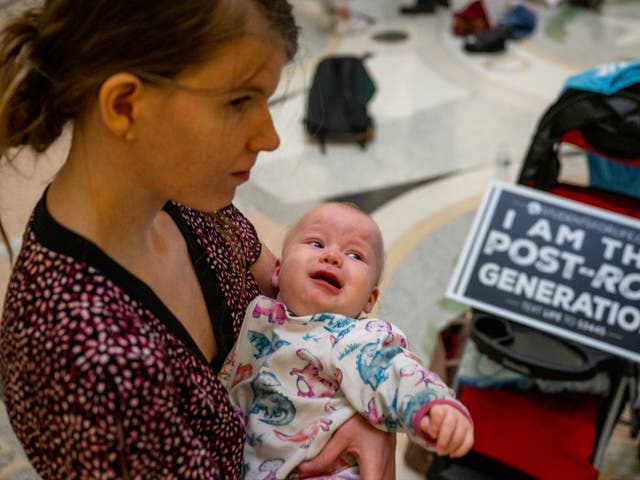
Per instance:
{"type": "Point", "coordinates": [446, 120]}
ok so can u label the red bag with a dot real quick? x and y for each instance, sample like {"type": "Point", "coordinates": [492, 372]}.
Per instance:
{"type": "Point", "coordinates": [470, 19]}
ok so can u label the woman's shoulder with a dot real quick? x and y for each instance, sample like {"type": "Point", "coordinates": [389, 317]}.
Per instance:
{"type": "Point", "coordinates": [226, 235]}
{"type": "Point", "coordinates": [49, 289]}
{"type": "Point", "coordinates": [203, 222]}
{"type": "Point", "coordinates": [67, 316]}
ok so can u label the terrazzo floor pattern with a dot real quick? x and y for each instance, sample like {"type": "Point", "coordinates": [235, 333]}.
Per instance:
{"type": "Point", "coordinates": [442, 116]}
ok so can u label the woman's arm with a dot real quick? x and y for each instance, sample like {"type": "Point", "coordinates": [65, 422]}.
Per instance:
{"type": "Point", "coordinates": [262, 270]}
{"type": "Point", "coordinates": [373, 449]}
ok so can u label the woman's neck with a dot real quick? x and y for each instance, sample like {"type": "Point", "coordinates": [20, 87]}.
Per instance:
{"type": "Point", "coordinates": [96, 195]}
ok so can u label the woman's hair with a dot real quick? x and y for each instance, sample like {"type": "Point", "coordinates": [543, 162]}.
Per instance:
{"type": "Point", "coordinates": [54, 57]}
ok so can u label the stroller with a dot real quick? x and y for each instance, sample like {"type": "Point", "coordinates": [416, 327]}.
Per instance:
{"type": "Point", "coordinates": [548, 408]}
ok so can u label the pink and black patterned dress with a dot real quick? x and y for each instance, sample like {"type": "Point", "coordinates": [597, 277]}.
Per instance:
{"type": "Point", "coordinates": [100, 378]}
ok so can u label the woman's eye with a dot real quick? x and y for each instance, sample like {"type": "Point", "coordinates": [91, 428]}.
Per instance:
{"type": "Point", "coordinates": [315, 244]}
{"type": "Point", "coordinates": [236, 102]}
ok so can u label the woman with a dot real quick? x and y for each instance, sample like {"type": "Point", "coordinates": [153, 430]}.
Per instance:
{"type": "Point", "coordinates": [124, 298]}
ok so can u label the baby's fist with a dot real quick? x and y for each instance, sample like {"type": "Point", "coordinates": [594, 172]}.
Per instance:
{"type": "Point", "coordinates": [450, 429]}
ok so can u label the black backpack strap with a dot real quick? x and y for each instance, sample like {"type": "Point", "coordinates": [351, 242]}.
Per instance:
{"type": "Point", "coordinates": [581, 110]}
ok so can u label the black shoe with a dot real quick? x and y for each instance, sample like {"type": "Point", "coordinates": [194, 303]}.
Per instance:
{"type": "Point", "coordinates": [419, 8]}
{"type": "Point", "coordinates": [477, 43]}
{"type": "Point", "coordinates": [593, 4]}
{"type": "Point", "coordinates": [488, 41]}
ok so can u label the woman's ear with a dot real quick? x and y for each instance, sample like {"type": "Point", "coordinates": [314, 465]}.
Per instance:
{"type": "Point", "coordinates": [118, 101]}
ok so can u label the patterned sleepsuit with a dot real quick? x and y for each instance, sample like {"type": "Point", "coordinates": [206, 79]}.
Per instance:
{"type": "Point", "coordinates": [297, 379]}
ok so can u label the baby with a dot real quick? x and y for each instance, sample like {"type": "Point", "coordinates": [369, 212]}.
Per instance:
{"type": "Point", "coordinates": [306, 362]}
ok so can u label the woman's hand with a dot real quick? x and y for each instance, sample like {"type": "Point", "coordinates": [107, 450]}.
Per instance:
{"type": "Point", "coordinates": [373, 449]}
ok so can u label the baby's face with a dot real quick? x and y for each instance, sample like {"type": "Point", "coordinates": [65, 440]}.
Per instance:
{"type": "Point", "coordinates": [331, 263]}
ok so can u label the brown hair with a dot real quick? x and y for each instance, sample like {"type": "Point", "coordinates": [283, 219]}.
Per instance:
{"type": "Point", "coordinates": [54, 57]}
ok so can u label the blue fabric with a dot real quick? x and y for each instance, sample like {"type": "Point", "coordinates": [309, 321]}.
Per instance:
{"type": "Point", "coordinates": [478, 370]}
{"type": "Point", "coordinates": [607, 78]}
{"type": "Point", "coordinates": [613, 176]}
{"type": "Point", "coordinates": [522, 19]}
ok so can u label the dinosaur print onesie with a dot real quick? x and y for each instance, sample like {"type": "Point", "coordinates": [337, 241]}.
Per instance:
{"type": "Point", "coordinates": [295, 380]}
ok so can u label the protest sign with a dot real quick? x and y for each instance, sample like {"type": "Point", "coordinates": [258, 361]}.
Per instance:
{"type": "Point", "coordinates": [554, 264]}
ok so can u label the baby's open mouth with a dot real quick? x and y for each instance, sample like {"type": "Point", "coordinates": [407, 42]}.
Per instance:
{"type": "Point", "coordinates": [327, 278]}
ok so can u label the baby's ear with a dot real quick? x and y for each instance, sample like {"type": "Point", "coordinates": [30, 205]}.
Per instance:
{"type": "Point", "coordinates": [371, 301]}
{"type": "Point", "coordinates": [275, 276]}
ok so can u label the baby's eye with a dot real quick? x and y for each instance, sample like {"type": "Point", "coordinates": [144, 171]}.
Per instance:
{"type": "Point", "coordinates": [315, 244]}
{"type": "Point", "coordinates": [355, 255]}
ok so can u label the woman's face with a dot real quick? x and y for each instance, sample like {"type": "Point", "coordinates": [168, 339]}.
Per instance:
{"type": "Point", "coordinates": [206, 133]}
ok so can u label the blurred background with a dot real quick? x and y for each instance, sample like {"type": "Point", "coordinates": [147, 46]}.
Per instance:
{"type": "Point", "coordinates": [457, 99]}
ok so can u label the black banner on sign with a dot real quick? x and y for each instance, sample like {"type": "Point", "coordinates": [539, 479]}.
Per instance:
{"type": "Point", "coordinates": [556, 265]}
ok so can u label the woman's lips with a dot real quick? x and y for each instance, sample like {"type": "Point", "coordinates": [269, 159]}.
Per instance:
{"type": "Point", "coordinates": [242, 176]}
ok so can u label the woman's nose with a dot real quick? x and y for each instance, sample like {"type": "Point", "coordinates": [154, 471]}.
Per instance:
{"type": "Point", "coordinates": [265, 137]}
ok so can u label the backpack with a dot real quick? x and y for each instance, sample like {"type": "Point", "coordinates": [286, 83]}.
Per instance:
{"type": "Point", "coordinates": [337, 101]}
{"type": "Point", "coordinates": [597, 111]}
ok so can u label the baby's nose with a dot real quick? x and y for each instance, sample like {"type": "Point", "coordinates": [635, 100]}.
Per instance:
{"type": "Point", "coordinates": [332, 257]}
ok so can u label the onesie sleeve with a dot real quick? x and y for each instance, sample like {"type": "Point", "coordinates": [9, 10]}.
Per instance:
{"type": "Point", "coordinates": [387, 383]}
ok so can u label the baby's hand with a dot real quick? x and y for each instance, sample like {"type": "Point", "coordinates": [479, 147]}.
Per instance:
{"type": "Point", "coordinates": [450, 429]}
